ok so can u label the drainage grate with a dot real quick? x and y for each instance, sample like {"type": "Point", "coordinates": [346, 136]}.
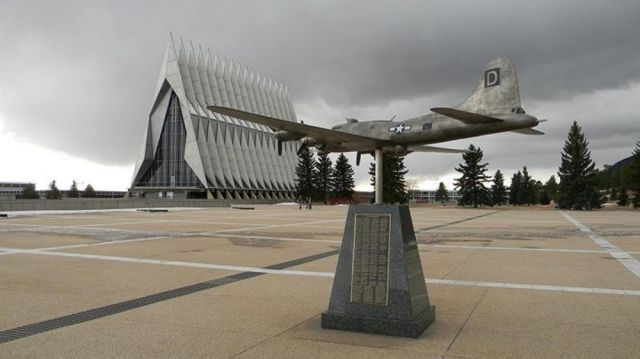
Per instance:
{"type": "Point", "coordinates": [96, 313]}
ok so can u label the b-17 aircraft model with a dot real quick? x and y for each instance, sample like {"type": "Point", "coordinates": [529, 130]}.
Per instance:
{"type": "Point", "coordinates": [492, 108]}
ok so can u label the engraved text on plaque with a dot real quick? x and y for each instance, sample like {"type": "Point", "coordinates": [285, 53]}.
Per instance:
{"type": "Point", "coordinates": [369, 281]}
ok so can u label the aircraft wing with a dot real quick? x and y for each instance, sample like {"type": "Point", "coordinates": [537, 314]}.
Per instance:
{"type": "Point", "coordinates": [434, 149]}
{"type": "Point", "coordinates": [322, 135]}
{"type": "Point", "coordinates": [464, 116]}
{"type": "Point", "coordinates": [529, 131]}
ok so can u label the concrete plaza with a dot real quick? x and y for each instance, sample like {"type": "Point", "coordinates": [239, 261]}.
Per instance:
{"type": "Point", "coordinates": [225, 282]}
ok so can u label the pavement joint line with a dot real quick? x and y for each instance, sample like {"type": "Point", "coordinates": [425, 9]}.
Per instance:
{"type": "Point", "coordinates": [173, 235]}
{"type": "Point", "coordinates": [168, 234]}
{"type": "Point", "coordinates": [541, 287]}
{"type": "Point", "coordinates": [275, 238]}
{"type": "Point", "coordinates": [426, 229]}
{"type": "Point", "coordinates": [628, 261]}
{"type": "Point", "coordinates": [94, 226]}
{"type": "Point", "coordinates": [467, 283]}
{"type": "Point", "coordinates": [523, 249]}
{"type": "Point", "coordinates": [224, 267]}
{"type": "Point", "coordinates": [203, 221]}
{"type": "Point", "coordinates": [277, 225]}
{"type": "Point", "coordinates": [257, 237]}
{"type": "Point", "coordinates": [62, 212]}
{"type": "Point", "coordinates": [98, 225]}
{"type": "Point", "coordinates": [466, 320]}
{"type": "Point", "coordinates": [156, 221]}
{"type": "Point", "coordinates": [116, 308]}
{"type": "Point", "coordinates": [102, 243]}
{"type": "Point", "coordinates": [64, 227]}
{"type": "Point", "coordinates": [235, 355]}
{"type": "Point", "coordinates": [124, 241]}
{"type": "Point", "coordinates": [323, 227]}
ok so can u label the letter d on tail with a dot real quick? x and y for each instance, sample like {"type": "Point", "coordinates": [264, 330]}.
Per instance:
{"type": "Point", "coordinates": [492, 77]}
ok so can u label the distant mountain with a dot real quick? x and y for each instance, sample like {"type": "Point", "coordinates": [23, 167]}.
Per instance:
{"type": "Point", "coordinates": [622, 163]}
{"type": "Point", "coordinates": [614, 175]}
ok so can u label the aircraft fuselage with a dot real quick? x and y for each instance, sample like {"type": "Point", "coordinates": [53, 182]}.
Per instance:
{"type": "Point", "coordinates": [432, 128]}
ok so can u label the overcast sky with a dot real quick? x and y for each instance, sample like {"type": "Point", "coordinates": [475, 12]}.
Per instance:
{"type": "Point", "coordinates": [77, 78]}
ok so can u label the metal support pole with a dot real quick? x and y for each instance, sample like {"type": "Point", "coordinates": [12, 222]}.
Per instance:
{"type": "Point", "coordinates": [378, 176]}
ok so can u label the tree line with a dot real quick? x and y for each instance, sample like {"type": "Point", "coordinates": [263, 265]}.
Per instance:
{"type": "Point", "coordinates": [579, 186]}
{"type": "Point", "coordinates": [621, 182]}
{"type": "Point", "coordinates": [319, 180]}
{"type": "Point", "coordinates": [29, 191]}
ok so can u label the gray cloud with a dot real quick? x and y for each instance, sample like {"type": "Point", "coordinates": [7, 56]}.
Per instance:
{"type": "Point", "coordinates": [78, 76]}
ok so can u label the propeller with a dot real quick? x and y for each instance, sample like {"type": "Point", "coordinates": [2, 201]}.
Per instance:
{"type": "Point", "coordinates": [301, 148]}
{"type": "Point", "coordinates": [358, 155]}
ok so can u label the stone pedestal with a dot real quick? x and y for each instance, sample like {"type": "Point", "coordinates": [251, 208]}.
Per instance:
{"type": "Point", "coordinates": [379, 286]}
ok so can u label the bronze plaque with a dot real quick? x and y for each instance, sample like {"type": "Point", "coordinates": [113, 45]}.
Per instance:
{"type": "Point", "coordinates": [370, 272]}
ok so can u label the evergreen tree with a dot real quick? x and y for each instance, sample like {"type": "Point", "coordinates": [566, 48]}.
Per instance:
{"type": "Point", "coordinates": [633, 176]}
{"type": "Point", "coordinates": [613, 194]}
{"type": "Point", "coordinates": [53, 192]}
{"type": "Point", "coordinates": [89, 192]}
{"type": "Point", "coordinates": [526, 188]}
{"type": "Point", "coordinates": [73, 191]}
{"type": "Point", "coordinates": [472, 179]}
{"type": "Point", "coordinates": [29, 192]}
{"type": "Point", "coordinates": [394, 188]}
{"type": "Point", "coordinates": [623, 197]}
{"type": "Point", "coordinates": [544, 197]}
{"type": "Point", "coordinates": [514, 189]}
{"type": "Point", "coordinates": [498, 190]}
{"type": "Point", "coordinates": [442, 195]}
{"type": "Point", "coordinates": [538, 191]}
{"type": "Point", "coordinates": [305, 174]}
{"type": "Point", "coordinates": [576, 190]}
{"type": "Point", "coordinates": [343, 183]}
{"type": "Point", "coordinates": [551, 187]}
{"type": "Point", "coordinates": [324, 177]}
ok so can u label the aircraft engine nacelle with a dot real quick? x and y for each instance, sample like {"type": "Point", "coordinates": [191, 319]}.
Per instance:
{"type": "Point", "coordinates": [397, 150]}
{"type": "Point", "coordinates": [308, 141]}
{"type": "Point", "coordinates": [287, 136]}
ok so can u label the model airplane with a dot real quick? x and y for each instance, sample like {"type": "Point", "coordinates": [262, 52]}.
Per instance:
{"type": "Point", "coordinates": [492, 108]}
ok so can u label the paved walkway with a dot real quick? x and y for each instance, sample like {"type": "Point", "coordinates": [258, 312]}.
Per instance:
{"type": "Point", "coordinates": [231, 283]}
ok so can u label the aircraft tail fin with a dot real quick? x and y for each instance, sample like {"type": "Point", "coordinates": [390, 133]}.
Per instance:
{"type": "Point", "coordinates": [497, 92]}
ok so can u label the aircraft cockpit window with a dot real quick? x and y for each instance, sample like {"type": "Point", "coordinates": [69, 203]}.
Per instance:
{"type": "Point", "coordinates": [427, 126]}
{"type": "Point", "coordinates": [520, 110]}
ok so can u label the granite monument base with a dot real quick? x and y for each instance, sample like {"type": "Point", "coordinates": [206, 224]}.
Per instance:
{"type": "Point", "coordinates": [379, 285]}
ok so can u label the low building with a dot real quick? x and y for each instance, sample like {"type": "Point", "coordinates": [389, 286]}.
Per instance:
{"type": "Point", "coordinates": [423, 196]}
{"type": "Point", "coordinates": [11, 190]}
{"type": "Point", "coordinates": [415, 196]}
{"type": "Point", "coordinates": [98, 194]}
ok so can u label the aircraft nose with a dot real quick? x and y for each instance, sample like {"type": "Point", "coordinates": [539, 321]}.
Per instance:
{"type": "Point", "coordinates": [533, 120]}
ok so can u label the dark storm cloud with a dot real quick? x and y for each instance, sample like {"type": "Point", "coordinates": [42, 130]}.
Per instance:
{"type": "Point", "coordinates": [79, 76]}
